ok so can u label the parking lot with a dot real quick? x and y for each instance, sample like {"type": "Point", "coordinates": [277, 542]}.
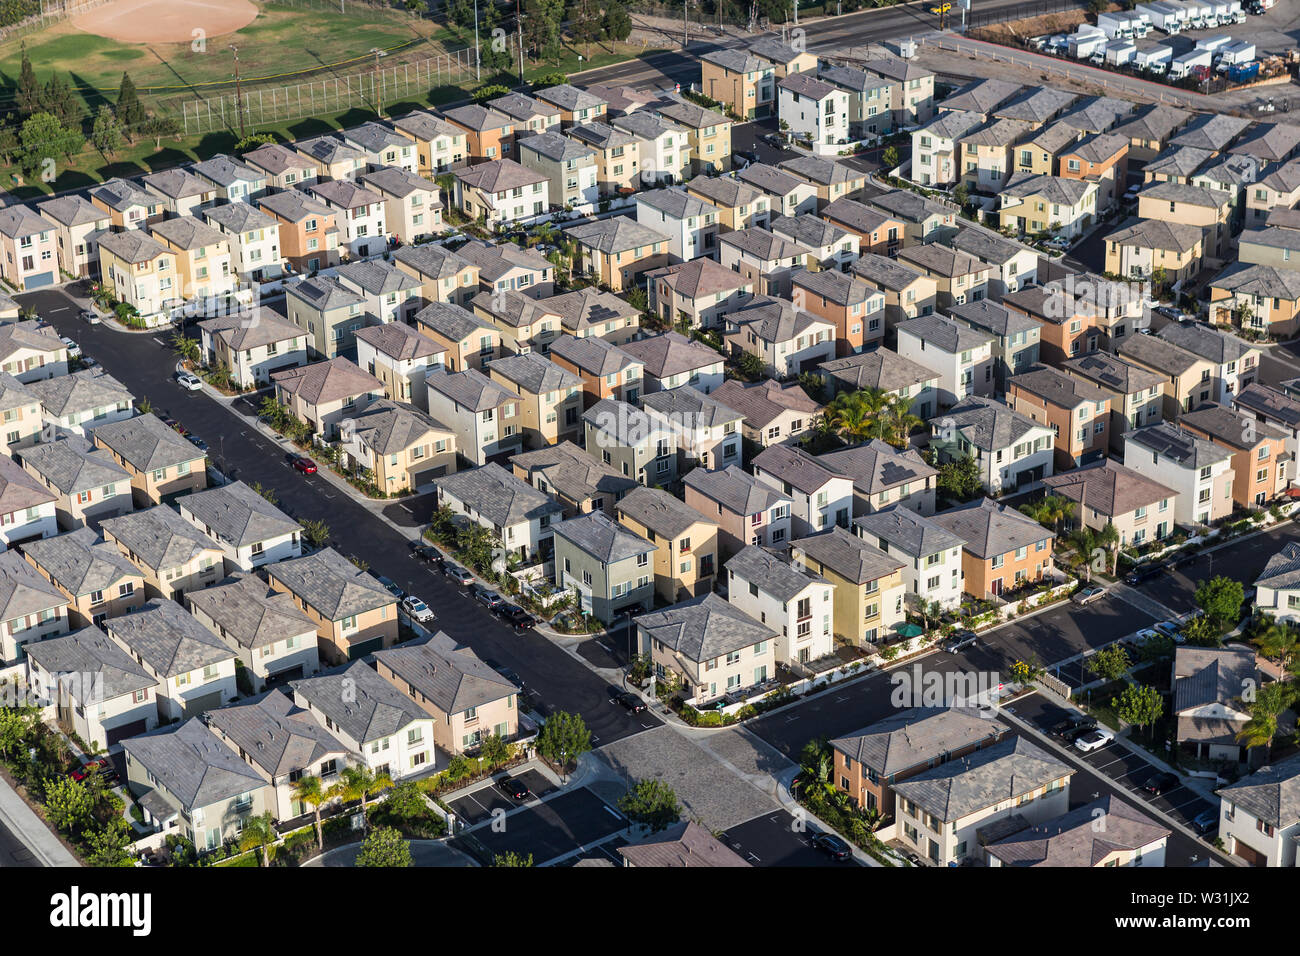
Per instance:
{"type": "Point", "coordinates": [1127, 770]}
{"type": "Point", "coordinates": [479, 805]}
{"type": "Point", "coordinates": [547, 830]}
{"type": "Point", "coordinates": [605, 851]}
{"type": "Point", "coordinates": [773, 840]}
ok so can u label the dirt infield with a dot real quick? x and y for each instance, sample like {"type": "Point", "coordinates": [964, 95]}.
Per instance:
{"type": "Point", "coordinates": [166, 21]}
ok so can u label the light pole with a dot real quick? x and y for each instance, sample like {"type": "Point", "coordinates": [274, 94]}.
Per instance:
{"type": "Point", "coordinates": [478, 59]}
{"type": "Point", "coordinates": [239, 92]}
{"type": "Point", "coordinates": [796, 12]}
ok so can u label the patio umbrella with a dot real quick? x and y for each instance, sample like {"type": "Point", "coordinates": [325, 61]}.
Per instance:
{"type": "Point", "coordinates": [910, 630]}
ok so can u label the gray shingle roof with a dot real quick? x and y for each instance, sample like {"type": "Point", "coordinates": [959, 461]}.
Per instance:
{"type": "Point", "coordinates": [225, 171]}
{"type": "Point", "coordinates": [823, 172]}
{"type": "Point", "coordinates": [168, 638]}
{"type": "Point", "coordinates": [990, 529]}
{"type": "Point", "coordinates": [324, 382]}
{"type": "Point", "coordinates": [18, 489]}
{"type": "Point", "coordinates": [90, 651]}
{"type": "Point", "coordinates": [72, 464]}
{"type": "Point", "coordinates": [671, 354]}
{"type": "Point", "coordinates": [159, 537]}
{"type": "Point", "coordinates": [908, 532]}
{"type": "Point", "coordinates": [836, 287]}
{"type": "Point", "coordinates": [1219, 347]}
{"type": "Point", "coordinates": [796, 467]}
{"type": "Point", "coordinates": [992, 317]}
{"type": "Point", "coordinates": [592, 354]}
{"type": "Point", "coordinates": [521, 107]}
{"type": "Point", "coordinates": [239, 217]}
{"type": "Point", "coordinates": [497, 495]}
{"type": "Point", "coordinates": [616, 234]}
{"type": "Point", "coordinates": [325, 293]}
{"type": "Point", "coordinates": [132, 246]}
{"type": "Point", "coordinates": [981, 96]}
{"type": "Point", "coordinates": [689, 408]}
{"type": "Point", "coordinates": [703, 628]}
{"type": "Point", "coordinates": [1114, 373]}
{"type": "Point", "coordinates": [499, 176]}
{"type": "Point", "coordinates": [676, 203]}
{"type": "Point", "coordinates": [1157, 234]}
{"type": "Point", "coordinates": [375, 137]}
{"type": "Point", "coordinates": [447, 673]}
{"type": "Point", "coordinates": [883, 369]}
{"type": "Point", "coordinates": [813, 233]}
{"type": "Point", "coordinates": [775, 321]}
{"type": "Point", "coordinates": [555, 146]}
{"type": "Point", "coordinates": [193, 764]}
{"type": "Point", "coordinates": [1067, 192]}
{"type": "Point", "coordinates": [997, 773]}
{"type": "Point", "coordinates": [588, 309]}
{"type": "Point", "coordinates": [1228, 426]}
{"type": "Point", "coordinates": [14, 394]}
{"type": "Point", "coordinates": [534, 373]}
{"type": "Point", "coordinates": [736, 490]}
{"type": "Point", "coordinates": [360, 703]}
{"type": "Point", "coordinates": [1178, 161]}
{"type": "Point", "coordinates": [1270, 403]}
{"type": "Point", "coordinates": [1155, 352]}
{"type": "Point", "coordinates": [331, 584]}
{"type": "Point", "coordinates": [1271, 794]}
{"type": "Point", "coordinates": [250, 613]}
{"type": "Point", "coordinates": [771, 180]}
{"type": "Point", "coordinates": [242, 330]}
{"type": "Point", "coordinates": [624, 423]}
{"type": "Point", "coordinates": [453, 322]}
{"type": "Point", "coordinates": [1212, 675]}
{"type": "Point", "coordinates": [1250, 280]}
{"type": "Point", "coordinates": [1109, 488]}
{"type": "Point", "coordinates": [763, 402]}
{"type": "Point", "coordinates": [877, 466]}
{"type": "Point", "coordinates": [664, 514]}
{"type": "Point", "coordinates": [87, 390]}
{"type": "Point", "coordinates": [81, 562]}
{"type": "Point", "coordinates": [389, 428]}
{"type": "Point", "coordinates": [295, 206]}
{"type": "Point", "coordinates": [913, 738]}
{"type": "Point", "coordinates": [595, 534]}
{"type": "Point", "coordinates": [1055, 387]}
{"type": "Point", "coordinates": [399, 341]}
{"type": "Point", "coordinates": [772, 572]}
{"type": "Point", "coordinates": [944, 333]}
{"type": "Point", "coordinates": [569, 97]}
{"type": "Point", "coordinates": [601, 135]}
{"type": "Point", "coordinates": [330, 149]}
{"type": "Point", "coordinates": [1282, 569]}
{"type": "Point", "coordinates": [986, 245]}
{"type": "Point", "coordinates": [1212, 131]}
{"type": "Point", "coordinates": [681, 845]}
{"type": "Point", "coordinates": [494, 261]}
{"type": "Point", "coordinates": [277, 736]}
{"type": "Point", "coordinates": [378, 277]}
{"type": "Point", "coordinates": [725, 191]}
{"type": "Point", "coordinates": [846, 554]}
{"type": "Point", "coordinates": [71, 211]}
{"type": "Point", "coordinates": [22, 589]}
{"type": "Point", "coordinates": [187, 232]}
{"type": "Point", "coordinates": [989, 425]}
{"type": "Point", "coordinates": [1188, 450]}
{"type": "Point", "coordinates": [573, 473]}
{"type": "Point", "coordinates": [146, 444]}
{"type": "Point", "coordinates": [762, 244]}
{"type": "Point", "coordinates": [238, 515]}
{"type": "Point", "coordinates": [1085, 836]}
{"type": "Point", "coordinates": [344, 194]}
{"type": "Point", "coordinates": [470, 389]}
{"type": "Point", "coordinates": [1036, 104]}
{"type": "Point", "coordinates": [274, 159]}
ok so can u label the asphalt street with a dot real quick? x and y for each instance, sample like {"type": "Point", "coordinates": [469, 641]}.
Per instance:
{"type": "Point", "coordinates": [553, 680]}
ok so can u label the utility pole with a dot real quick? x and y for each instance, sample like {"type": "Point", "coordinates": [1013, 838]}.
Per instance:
{"type": "Point", "coordinates": [239, 93]}
{"type": "Point", "coordinates": [519, 19]}
{"type": "Point", "coordinates": [796, 12]}
{"type": "Point", "coordinates": [478, 59]}
{"type": "Point", "coordinates": [686, 32]}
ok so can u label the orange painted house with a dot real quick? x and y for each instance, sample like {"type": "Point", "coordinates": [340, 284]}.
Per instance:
{"type": "Point", "coordinates": [1079, 412]}
{"type": "Point", "coordinates": [1004, 549]}
{"type": "Point", "coordinates": [1256, 449]}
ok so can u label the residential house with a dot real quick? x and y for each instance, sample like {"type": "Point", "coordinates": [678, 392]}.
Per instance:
{"type": "Point", "coordinates": [1004, 550]}
{"type": "Point", "coordinates": [870, 112]}
{"type": "Point", "coordinates": [747, 511]}
{"type": "Point", "coordinates": [682, 844]}
{"type": "Point", "coordinates": [234, 181]}
{"type": "Point", "coordinates": [98, 581]}
{"type": "Point", "coordinates": [172, 555]}
{"type": "Point", "coordinates": [832, 247]}
{"type": "Point", "coordinates": [486, 418]}
{"type": "Point", "coordinates": [1101, 159]}
{"type": "Point", "coordinates": [1010, 449]}
{"type": "Point", "coordinates": [1209, 684]}
{"type": "Point", "coordinates": [665, 147]}
{"type": "Point", "coordinates": [510, 268]}
{"type": "Point", "coordinates": [29, 243]}
{"type": "Point", "coordinates": [568, 165]}
{"type": "Point", "coordinates": [22, 414]}
{"type": "Point", "coordinates": [605, 369]}
{"type": "Point", "coordinates": [128, 204]}
{"type": "Point", "coordinates": [1274, 245]}
{"type": "Point", "coordinates": [195, 671]}
{"type": "Point", "coordinates": [762, 257]}
{"type": "Point", "coordinates": [1067, 324]}
{"type": "Point", "coordinates": [816, 112]}
{"type": "Point", "coordinates": [821, 495]}
{"type": "Point", "coordinates": [489, 135]}
{"type": "Point", "coordinates": [359, 212]}
{"type": "Point", "coordinates": [254, 239]}
{"type": "Point", "coordinates": [467, 341]}
{"type": "Point", "coordinates": [580, 483]}
{"type": "Point", "coordinates": [1075, 409]}
{"type": "Point", "coordinates": [773, 412]}
{"type": "Point", "coordinates": [740, 81]}
{"type": "Point", "coordinates": [1258, 817]}
{"type": "Point", "coordinates": [856, 308]}
{"type": "Point", "coordinates": [1136, 394]}
{"type": "Point", "coordinates": [617, 251]}
{"type": "Point", "coordinates": [699, 294]}
{"type": "Point", "coordinates": [930, 553]}
{"type": "Point", "coordinates": [333, 158]}
{"type": "Point", "coordinates": [628, 439]}
{"type": "Point", "coordinates": [1187, 376]}
{"type": "Point", "coordinates": [1107, 493]}
{"type": "Point", "coordinates": [309, 235]}
{"type": "Point", "coordinates": [1209, 209]}
{"type": "Point", "coordinates": [923, 219]}
{"type": "Point", "coordinates": [789, 195]}
{"type": "Point", "coordinates": [959, 278]}
{"type": "Point", "coordinates": [690, 223]}
{"type": "Point", "coordinates": [249, 529]}
{"type": "Point", "coordinates": [162, 464]}
{"type": "Point", "coordinates": [1276, 408]}
{"type": "Point", "coordinates": [440, 146]}
{"type": "Point", "coordinates": [590, 312]}
{"type": "Point", "coordinates": [1199, 471]}
{"type": "Point", "coordinates": [384, 146]}
{"type": "Point", "coordinates": [31, 608]}
{"type": "Point", "coordinates": [1235, 361]}
{"type": "Point", "coordinates": [686, 558]}
{"type": "Point", "coordinates": [82, 401]}
{"type": "Point", "coordinates": [936, 147]}
{"type": "Point", "coordinates": [608, 565]}
{"type": "Point", "coordinates": [88, 483]}
{"type": "Point", "coordinates": [403, 448]}
{"type": "Point", "coordinates": [670, 359]}
{"type": "Point", "coordinates": [787, 339]}
{"type": "Point", "coordinates": [142, 273]}
{"type": "Point", "coordinates": [1260, 460]}
{"type": "Point", "coordinates": [1277, 589]}
{"type": "Point", "coordinates": [526, 324]}
{"type": "Point", "coordinates": [400, 357]}
{"type": "Point", "coordinates": [391, 294]}
{"type": "Point", "coordinates": [888, 372]}
{"type": "Point", "coordinates": [1012, 264]}
{"type": "Point", "coordinates": [501, 192]}
{"type": "Point", "coordinates": [77, 223]}
{"type": "Point", "coordinates": [884, 476]}
{"type": "Point", "coordinates": [739, 204]}
{"type": "Point", "coordinates": [274, 641]}
{"type": "Point", "coordinates": [27, 507]}
{"type": "Point", "coordinates": [468, 700]}
{"type": "Point", "coordinates": [709, 647]}
{"type": "Point", "coordinates": [911, 92]}
{"type": "Point", "coordinates": [960, 356]}
{"type": "Point", "coordinates": [284, 169]}
{"type": "Point", "coordinates": [412, 204]}
{"type": "Point", "coordinates": [987, 152]}
{"type": "Point", "coordinates": [252, 346]}
{"type": "Point", "coordinates": [354, 614]}
{"type": "Point", "coordinates": [326, 394]}
{"type": "Point", "coordinates": [328, 311]}
{"type": "Point", "coordinates": [867, 583]}
{"type": "Point", "coordinates": [1031, 203]}
{"type": "Point", "coordinates": [833, 180]}
{"type": "Point", "coordinates": [1150, 249]}
{"type": "Point", "coordinates": [708, 132]}
{"type": "Point", "coordinates": [1015, 336]}
{"type": "Point", "coordinates": [618, 157]}
{"type": "Point", "coordinates": [551, 397]}
{"type": "Point", "coordinates": [779, 592]}
{"type": "Point", "coordinates": [204, 266]}
{"type": "Point", "coordinates": [531, 115]}
{"type": "Point", "coordinates": [708, 433]}
{"type": "Point", "coordinates": [576, 106]}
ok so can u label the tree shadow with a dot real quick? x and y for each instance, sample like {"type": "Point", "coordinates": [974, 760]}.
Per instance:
{"type": "Point", "coordinates": [310, 127]}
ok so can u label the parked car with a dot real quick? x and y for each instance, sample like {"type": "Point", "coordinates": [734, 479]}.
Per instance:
{"type": "Point", "coordinates": [486, 596]}
{"type": "Point", "coordinates": [517, 616]}
{"type": "Point", "coordinates": [513, 788]}
{"type": "Point", "coordinates": [960, 641]}
{"type": "Point", "coordinates": [1072, 725]}
{"type": "Point", "coordinates": [417, 609]}
{"type": "Point", "coordinates": [1161, 782]}
{"type": "Point", "coordinates": [1058, 242]}
{"type": "Point", "coordinates": [1206, 821]}
{"type": "Point", "coordinates": [74, 350]}
{"type": "Point", "coordinates": [630, 701]}
{"type": "Point", "coordinates": [1171, 629]}
{"type": "Point", "coordinates": [198, 443]}
{"type": "Point", "coordinates": [1094, 739]}
{"type": "Point", "coordinates": [89, 317]}
{"type": "Point", "coordinates": [304, 465]}
{"type": "Point", "coordinates": [98, 767]}
{"type": "Point", "coordinates": [1144, 572]}
{"type": "Point", "coordinates": [390, 586]}
{"type": "Point", "coordinates": [458, 574]}
{"type": "Point", "coordinates": [1088, 594]}
{"type": "Point", "coordinates": [188, 381]}
{"type": "Point", "coordinates": [424, 552]}
{"type": "Point", "coordinates": [832, 846]}
{"type": "Point", "coordinates": [175, 426]}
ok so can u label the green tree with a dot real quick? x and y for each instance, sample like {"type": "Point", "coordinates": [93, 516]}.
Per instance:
{"type": "Point", "coordinates": [185, 347]}
{"type": "Point", "coordinates": [651, 803]}
{"type": "Point", "coordinates": [513, 859]}
{"type": "Point", "coordinates": [311, 791]}
{"type": "Point", "coordinates": [890, 157]}
{"type": "Point", "coordinates": [585, 24]}
{"type": "Point", "coordinates": [618, 25]}
{"type": "Point", "coordinates": [8, 144]}
{"type": "Point", "coordinates": [961, 195]}
{"type": "Point", "coordinates": [258, 834]}
{"type": "Point", "coordinates": [1109, 663]}
{"type": "Point", "coordinates": [29, 89]}
{"type": "Point", "coordinates": [360, 783]}
{"type": "Point", "coordinates": [157, 127]}
{"type": "Point", "coordinates": [461, 14]}
{"type": "Point", "coordinates": [1268, 703]}
{"type": "Point", "coordinates": [542, 20]}
{"type": "Point", "coordinates": [16, 727]}
{"type": "Point", "coordinates": [1276, 641]}
{"type": "Point", "coordinates": [494, 750]}
{"type": "Point", "coordinates": [490, 92]}
{"type": "Point", "coordinates": [59, 99]}
{"type": "Point", "coordinates": [959, 479]}
{"type": "Point", "coordinates": [68, 804]}
{"type": "Point", "coordinates": [1139, 704]}
{"type": "Point", "coordinates": [106, 135]}
{"type": "Point", "coordinates": [750, 365]}
{"type": "Point", "coordinates": [1221, 599]}
{"type": "Point", "coordinates": [1026, 672]}
{"type": "Point", "coordinates": [1156, 647]}
{"type": "Point", "coordinates": [106, 845]}
{"type": "Point", "coordinates": [130, 111]}
{"type": "Point", "coordinates": [563, 738]}
{"type": "Point", "coordinates": [253, 141]}
{"type": "Point", "coordinates": [548, 79]}
{"type": "Point", "coordinates": [317, 533]}
{"type": "Point", "coordinates": [496, 56]}
{"type": "Point", "coordinates": [43, 138]}
{"type": "Point", "coordinates": [384, 846]}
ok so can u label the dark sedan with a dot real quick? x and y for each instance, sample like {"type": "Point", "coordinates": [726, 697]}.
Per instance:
{"type": "Point", "coordinates": [833, 846]}
{"type": "Point", "coordinates": [513, 788]}
{"type": "Point", "coordinates": [1161, 782]}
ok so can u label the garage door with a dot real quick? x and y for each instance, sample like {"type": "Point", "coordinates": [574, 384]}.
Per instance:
{"type": "Point", "coordinates": [39, 280]}
{"type": "Point", "coordinates": [134, 729]}
{"type": "Point", "coordinates": [198, 705]}
{"type": "Point", "coordinates": [1250, 854]}
{"type": "Point", "coordinates": [288, 674]}
{"type": "Point", "coordinates": [422, 478]}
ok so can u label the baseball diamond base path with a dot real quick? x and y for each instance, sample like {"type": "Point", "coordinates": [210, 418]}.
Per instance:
{"type": "Point", "coordinates": [166, 21]}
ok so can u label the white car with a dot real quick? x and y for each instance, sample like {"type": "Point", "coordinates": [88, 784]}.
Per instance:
{"type": "Point", "coordinates": [74, 350]}
{"type": "Point", "coordinates": [417, 609]}
{"type": "Point", "coordinates": [1094, 740]}
{"type": "Point", "coordinates": [188, 381]}
{"type": "Point", "coordinates": [1058, 242]}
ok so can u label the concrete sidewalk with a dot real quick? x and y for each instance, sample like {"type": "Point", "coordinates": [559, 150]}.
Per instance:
{"type": "Point", "coordinates": [21, 820]}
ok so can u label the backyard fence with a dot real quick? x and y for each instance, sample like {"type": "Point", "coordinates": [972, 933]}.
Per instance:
{"type": "Point", "coordinates": [1025, 11]}
{"type": "Point", "coordinates": [51, 11]}
{"type": "Point", "coordinates": [263, 105]}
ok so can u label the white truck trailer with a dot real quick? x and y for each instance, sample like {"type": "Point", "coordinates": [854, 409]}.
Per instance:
{"type": "Point", "coordinates": [1164, 16]}
{"type": "Point", "coordinates": [1184, 65]}
{"type": "Point", "coordinates": [1120, 52]}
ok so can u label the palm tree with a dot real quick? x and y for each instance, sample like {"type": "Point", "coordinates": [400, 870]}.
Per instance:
{"type": "Point", "coordinates": [1270, 701]}
{"type": "Point", "coordinates": [361, 783]}
{"type": "Point", "coordinates": [1108, 538]}
{"type": "Point", "coordinates": [1084, 542]}
{"type": "Point", "coordinates": [848, 415]}
{"type": "Point", "coordinates": [901, 421]}
{"type": "Point", "coordinates": [257, 833]}
{"type": "Point", "coordinates": [1051, 511]}
{"type": "Point", "coordinates": [312, 792]}
{"type": "Point", "coordinates": [186, 347]}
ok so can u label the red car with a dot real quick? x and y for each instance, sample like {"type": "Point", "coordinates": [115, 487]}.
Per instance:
{"type": "Point", "coordinates": [92, 767]}
{"type": "Point", "coordinates": [175, 426]}
{"type": "Point", "coordinates": [305, 465]}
